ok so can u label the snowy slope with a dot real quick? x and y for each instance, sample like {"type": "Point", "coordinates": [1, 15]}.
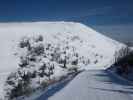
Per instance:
{"type": "Point", "coordinates": [96, 49]}
{"type": "Point", "coordinates": [3, 77]}
{"type": "Point", "coordinates": [87, 41]}
{"type": "Point", "coordinates": [94, 85]}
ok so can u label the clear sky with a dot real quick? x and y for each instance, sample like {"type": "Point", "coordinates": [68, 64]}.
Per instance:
{"type": "Point", "coordinates": [94, 11]}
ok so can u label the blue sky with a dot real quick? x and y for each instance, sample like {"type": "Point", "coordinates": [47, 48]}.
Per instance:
{"type": "Point", "coordinates": [88, 11]}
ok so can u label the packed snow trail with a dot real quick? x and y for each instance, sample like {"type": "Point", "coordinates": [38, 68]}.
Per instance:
{"type": "Point", "coordinates": [94, 85]}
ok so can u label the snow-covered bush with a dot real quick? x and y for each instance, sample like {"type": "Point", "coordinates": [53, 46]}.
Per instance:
{"type": "Point", "coordinates": [24, 42]}
{"type": "Point", "coordinates": [124, 60]}
{"type": "Point", "coordinates": [122, 53]}
{"type": "Point", "coordinates": [18, 84]}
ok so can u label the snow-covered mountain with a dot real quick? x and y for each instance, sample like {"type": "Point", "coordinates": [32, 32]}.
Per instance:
{"type": "Point", "coordinates": [94, 50]}
{"type": "Point", "coordinates": [87, 41]}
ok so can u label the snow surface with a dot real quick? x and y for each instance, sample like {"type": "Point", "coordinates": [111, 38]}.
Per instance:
{"type": "Point", "coordinates": [94, 85]}
{"type": "Point", "coordinates": [87, 42]}
{"type": "Point", "coordinates": [3, 77]}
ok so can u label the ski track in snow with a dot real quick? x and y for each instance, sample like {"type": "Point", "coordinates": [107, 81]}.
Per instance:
{"type": "Point", "coordinates": [94, 85]}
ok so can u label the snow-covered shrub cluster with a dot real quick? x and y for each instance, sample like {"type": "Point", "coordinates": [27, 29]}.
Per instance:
{"type": "Point", "coordinates": [124, 61]}
{"type": "Point", "coordinates": [41, 63]}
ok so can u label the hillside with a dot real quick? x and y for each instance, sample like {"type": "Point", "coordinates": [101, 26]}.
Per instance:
{"type": "Point", "coordinates": [94, 50]}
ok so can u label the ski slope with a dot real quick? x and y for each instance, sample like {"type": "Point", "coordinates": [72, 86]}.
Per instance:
{"type": "Point", "coordinates": [94, 85]}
